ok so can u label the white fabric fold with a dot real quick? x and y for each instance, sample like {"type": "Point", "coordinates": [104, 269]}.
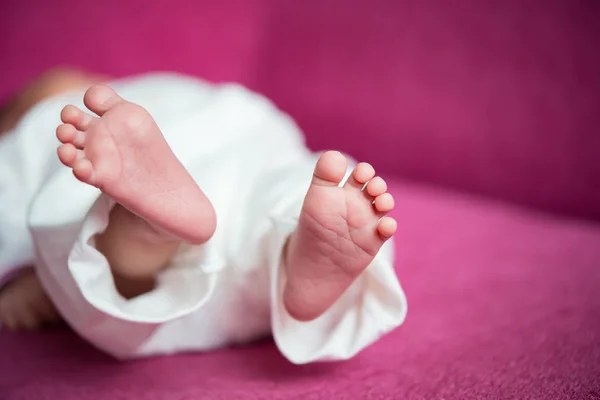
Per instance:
{"type": "Point", "coordinates": [372, 306]}
{"type": "Point", "coordinates": [251, 162]}
{"type": "Point", "coordinates": [180, 290]}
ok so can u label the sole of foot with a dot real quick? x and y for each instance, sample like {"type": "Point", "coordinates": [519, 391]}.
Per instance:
{"type": "Point", "coordinates": [122, 152]}
{"type": "Point", "coordinates": [340, 231]}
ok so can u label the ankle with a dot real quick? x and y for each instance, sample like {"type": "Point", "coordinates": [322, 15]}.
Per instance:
{"type": "Point", "coordinates": [129, 287]}
{"type": "Point", "coordinates": [135, 251]}
{"type": "Point", "coordinates": [130, 227]}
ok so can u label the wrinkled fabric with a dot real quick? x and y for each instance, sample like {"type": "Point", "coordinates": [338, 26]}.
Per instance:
{"type": "Point", "coordinates": [251, 162]}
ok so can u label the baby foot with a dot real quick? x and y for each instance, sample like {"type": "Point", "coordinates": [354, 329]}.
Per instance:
{"type": "Point", "coordinates": [24, 306]}
{"type": "Point", "coordinates": [339, 232]}
{"type": "Point", "coordinates": [123, 153]}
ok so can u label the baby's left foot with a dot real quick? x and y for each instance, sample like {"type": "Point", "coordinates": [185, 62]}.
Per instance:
{"type": "Point", "coordinates": [339, 232]}
{"type": "Point", "coordinates": [123, 153]}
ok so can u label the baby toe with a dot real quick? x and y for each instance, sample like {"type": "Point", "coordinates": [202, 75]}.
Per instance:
{"type": "Point", "coordinates": [330, 169]}
{"type": "Point", "coordinates": [362, 173]}
{"type": "Point", "coordinates": [384, 203]}
{"type": "Point", "coordinates": [101, 98]}
{"type": "Point", "coordinates": [376, 187]}
{"type": "Point", "coordinates": [84, 171]}
{"type": "Point", "coordinates": [67, 154]}
{"type": "Point", "coordinates": [67, 133]}
{"type": "Point", "coordinates": [386, 227]}
{"type": "Point", "coordinates": [74, 116]}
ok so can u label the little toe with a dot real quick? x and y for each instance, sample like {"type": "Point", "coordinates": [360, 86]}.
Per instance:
{"type": "Point", "coordinates": [68, 154]}
{"type": "Point", "coordinates": [384, 203]}
{"type": "Point", "coordinates": [84, 171]}
{"type": "Point", "coordinates": [362, 173]}
{"type": "Point", "coordinates": [330, 169]}
{"type": "Point", "coordinates": [386, 227]}
{"type": "Point", "coordinates": [74, 116]}
{"type": "Point", "coordinates": [101, 98]}
{"type": "Point", "coordinates": [67, 133]}
{"type": "Point", "coordinates": [376, 186]}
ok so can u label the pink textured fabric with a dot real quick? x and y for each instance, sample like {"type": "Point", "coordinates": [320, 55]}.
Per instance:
{"type": "Point", "coordinates": [503, 304]}
{"type": "Point", "coordinates": [497, 97]}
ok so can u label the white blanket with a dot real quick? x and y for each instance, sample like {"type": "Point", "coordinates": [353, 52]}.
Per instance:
{"type": "Point", "coordinates": [250, 160]}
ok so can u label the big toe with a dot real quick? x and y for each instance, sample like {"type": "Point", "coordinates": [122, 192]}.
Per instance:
{"type": "Point", "coordinates": [330, 169]}
{"type": "Point", "coordinates": [101, 98]}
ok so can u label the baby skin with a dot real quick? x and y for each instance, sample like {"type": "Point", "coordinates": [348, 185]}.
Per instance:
{"type": "Point", "coordinates": [159, 206]}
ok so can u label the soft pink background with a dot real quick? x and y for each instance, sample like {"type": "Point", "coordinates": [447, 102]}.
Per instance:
{"type": "Point", "coordinates": [500, 98]}
{"type": "Point", "coordinates": [497, 97]}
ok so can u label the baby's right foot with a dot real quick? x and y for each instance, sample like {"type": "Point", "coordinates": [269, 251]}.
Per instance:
{"type": "Point", "coordinates": [123, 153]}
{"type": "Point", "coordinates": [339, 233]}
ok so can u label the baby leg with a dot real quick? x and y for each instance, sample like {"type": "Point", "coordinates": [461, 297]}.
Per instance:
{"type": "Point", "coordinates": [24, 305]}
{"type": "Point", "coordinates": [135, 250]}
